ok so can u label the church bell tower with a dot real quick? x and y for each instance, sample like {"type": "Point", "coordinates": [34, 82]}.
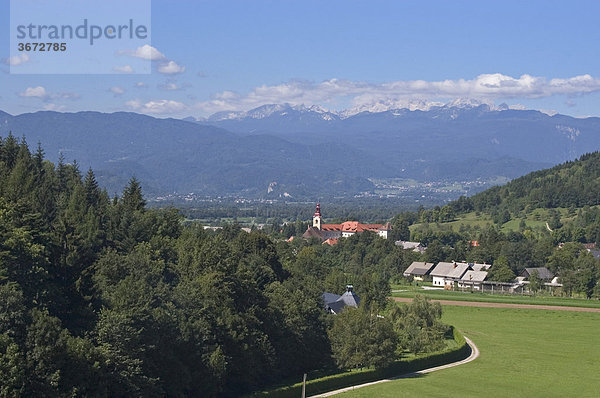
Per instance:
{"type": "Point", "coordinates": [317, 218]}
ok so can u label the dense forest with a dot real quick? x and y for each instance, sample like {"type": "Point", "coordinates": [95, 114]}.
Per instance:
{"type": "Point", "coordinates": [104, 297]}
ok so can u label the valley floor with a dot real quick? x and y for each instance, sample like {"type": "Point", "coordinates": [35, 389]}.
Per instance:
{"type": "Point", "coordinates": [524, 352]}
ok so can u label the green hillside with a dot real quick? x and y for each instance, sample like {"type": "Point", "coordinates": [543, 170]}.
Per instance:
{"type": "Point", "coordinates": [571, 184]}
{"type": "Point", "coordinates": [561, 202]}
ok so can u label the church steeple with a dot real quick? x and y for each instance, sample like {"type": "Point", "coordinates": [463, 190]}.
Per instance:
{"type": "Point", "coordinates": [317, 217]}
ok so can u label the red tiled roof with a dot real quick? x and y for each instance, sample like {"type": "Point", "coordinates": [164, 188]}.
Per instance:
{"type": "Point", "coordinates": [331, 241]}
{"type": "Point", "coordinates": [331, 227]}
{"type": "Point", "coordinates": [353, 226]}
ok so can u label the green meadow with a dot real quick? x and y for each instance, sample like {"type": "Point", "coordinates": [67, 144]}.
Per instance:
{"type": "Point", "coordinates": [524, 353]}
{"type": "Point", "coordinates": [535, 220]}
{"type": "Point", "coordinates": [411, 291]}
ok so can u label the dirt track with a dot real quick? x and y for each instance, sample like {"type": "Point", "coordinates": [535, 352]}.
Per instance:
{"type": "Point", "coordinates": [505, 305]}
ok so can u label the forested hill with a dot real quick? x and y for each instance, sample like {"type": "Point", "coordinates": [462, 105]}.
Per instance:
{"type": "Point", "coordinates": [571, 184]}
{"type": "Point", "coordinates": [104, 297]}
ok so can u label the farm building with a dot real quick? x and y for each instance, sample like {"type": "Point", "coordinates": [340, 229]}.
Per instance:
{"type": "Point", "coordinates": [480, 267]}
{"type": "Point", "coordinates": [418, 270]}
{"type": "Point", "coordinates": [414, 246]}
{"type": "Point", "coordinates": [543, 273]}
{"type": "Point", "coordinates": [447, 274]}
{"type": "Point", "coordinates": [472, 279]}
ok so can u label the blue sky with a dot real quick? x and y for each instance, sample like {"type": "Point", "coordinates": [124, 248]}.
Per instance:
{"type": "Point", "coordinates": [236, 55]}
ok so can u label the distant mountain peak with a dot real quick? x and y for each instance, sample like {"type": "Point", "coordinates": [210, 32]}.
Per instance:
{"type": "Point", "coordinates": [268, 110]}
{"type": "Point", "coordinates": [468, 103]}
{"type": "Point", "coordinates": [395, 107]}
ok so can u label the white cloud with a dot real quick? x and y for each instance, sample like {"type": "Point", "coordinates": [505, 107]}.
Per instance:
{"type": "Point", "coordinates": [54, 107]}
{"type": "Point", "coordinates": [169, 87]}
{"type": "Point", "coordinates": [37, 92]}
{"type": "Point", "coordinates": [141, 85]}
{"type": "Point", "coordinates": [157, 107]}
{"type": "Point", "coordinates": [485, 87]}
{"type": "Point", "coordinates": [17, 60]}
{"type": "Point", "coordinates": [171, 68]}
{"type": "Point", "coordinates": [146, 52]}
{"type": "Point", "coordinates": [117, 90]}
{"type": "Point", "coordinates": [123, 69]}
{"type": "Point", "coordinates": [41, 93]}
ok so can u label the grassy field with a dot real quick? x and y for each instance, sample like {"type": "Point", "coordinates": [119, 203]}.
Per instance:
{"type": "Point", "coordinates": [524, 353]}
{"type": "Point", "coordinates": [535, 220]}
{"type": "Point", "coordinates": [468, 219]}
{"type": "Point", "coordinates": [496, 298]}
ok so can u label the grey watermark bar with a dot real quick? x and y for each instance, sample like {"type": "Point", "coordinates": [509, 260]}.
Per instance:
{"type": "Point", "coordinates": [80, 37]}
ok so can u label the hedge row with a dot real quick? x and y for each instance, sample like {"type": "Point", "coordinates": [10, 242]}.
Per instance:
{"type": "Point", "coordinates": [400, 367]}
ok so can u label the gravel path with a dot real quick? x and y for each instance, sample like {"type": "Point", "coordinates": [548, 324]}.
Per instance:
{"type": "Point", "coordinates": [505, 305]}
{"type": "Point", "coordinates": [473, 356]}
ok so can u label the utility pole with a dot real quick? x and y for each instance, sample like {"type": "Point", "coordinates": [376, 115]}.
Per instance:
{"type": "Point", "coordinates": [304, 386]}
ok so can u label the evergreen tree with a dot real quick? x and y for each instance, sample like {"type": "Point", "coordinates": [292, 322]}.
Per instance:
{"type": "Point", "coordinates": [133, 199]}
{"type": "Point", "coordinates": [92, 191]}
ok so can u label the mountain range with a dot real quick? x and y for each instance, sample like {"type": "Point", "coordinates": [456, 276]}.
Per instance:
{"type": "Point", "coordinates": [307, 152]}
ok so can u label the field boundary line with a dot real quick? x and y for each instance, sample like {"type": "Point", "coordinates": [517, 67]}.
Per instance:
{"type": "Point", "coordinates": [474, 354]}
{"type": "Point", "coordinates": [486, 304]}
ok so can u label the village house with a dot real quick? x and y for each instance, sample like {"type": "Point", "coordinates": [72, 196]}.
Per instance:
{"type": "Point", "coordinates": [332, 232]}
{"type": "Point", "coordinates": [543, 273]}
{"type": "Point", "coordinates": [472, 279]}
{"type": "Point", "coordinates": [418, 270]}
{"type": "Point", "coordinates": [480, 267]}
{"type": "Point", "coordinates": [334, 303]}
{"type": "Point", "coordinates": [414, 246]}
{"type": "Point", "coordinates": [448, 274]}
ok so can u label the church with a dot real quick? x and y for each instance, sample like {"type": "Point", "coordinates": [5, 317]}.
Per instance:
{"type": "Point", "coordinates": [331, 232]}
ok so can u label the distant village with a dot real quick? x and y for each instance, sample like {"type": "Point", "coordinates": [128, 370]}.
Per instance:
{"type": "Point", "coordinates": [443, 275]}
{"type": "Point", "coordinates": [473, 276]}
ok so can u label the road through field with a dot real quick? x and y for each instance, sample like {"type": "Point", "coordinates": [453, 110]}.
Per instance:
{"type": "Point", "coordinates": [504, 305]}
{"type": "Point", "coordinates": [474, 354]}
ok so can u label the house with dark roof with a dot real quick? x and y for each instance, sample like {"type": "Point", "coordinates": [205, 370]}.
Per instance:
{"type": "Point", "coordinates": [418, 270]}
{"type": "Point", "coordinates": [334, 303]}
{"type": "Point", "coordinates": [343, 230]}
{"type": "Point", "coordinates": [543, 273]}
{"type": "Point", "coordinates": [447, 274]}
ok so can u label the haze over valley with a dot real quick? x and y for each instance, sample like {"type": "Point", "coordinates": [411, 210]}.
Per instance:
{"type": "Point", "coordinates": [285, 152]}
